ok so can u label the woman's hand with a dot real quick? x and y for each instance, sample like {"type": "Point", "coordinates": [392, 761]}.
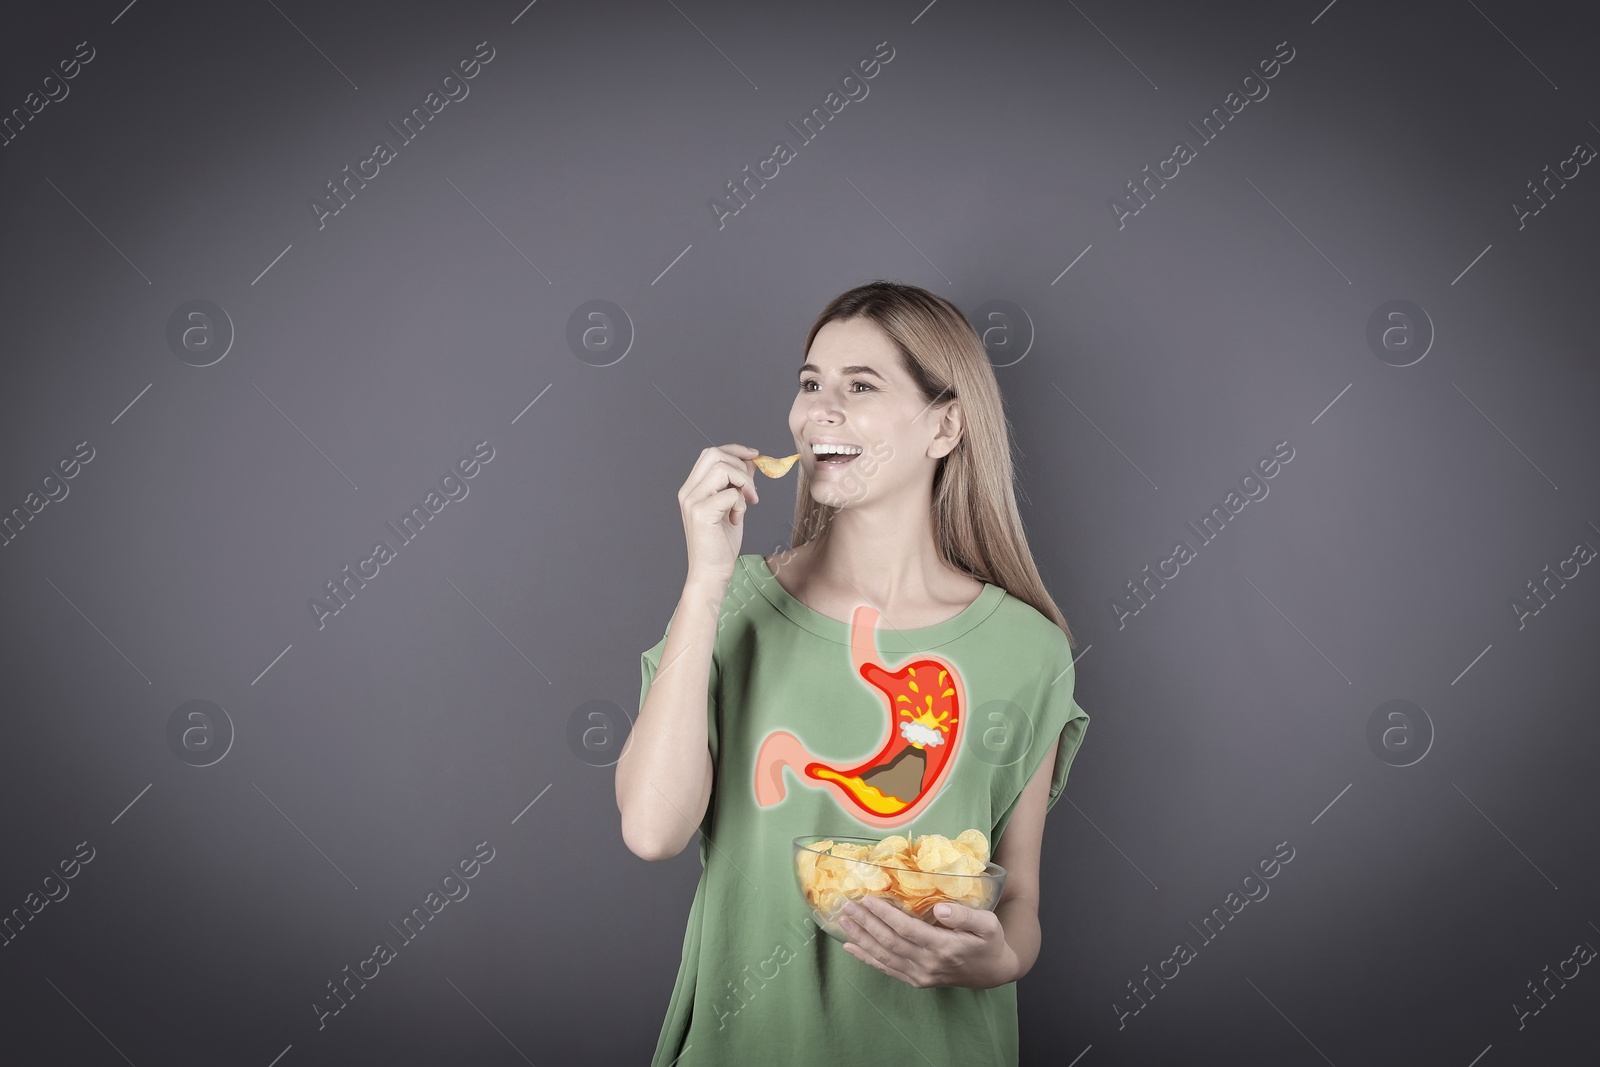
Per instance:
{"type": "Point", "coordinates": [713, 500]}
{"type": "Point", "coordinates": [969, 948]}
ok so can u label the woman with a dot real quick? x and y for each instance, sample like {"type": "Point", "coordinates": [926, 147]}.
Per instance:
{"type": "Point", "coordinates": [909, 565]}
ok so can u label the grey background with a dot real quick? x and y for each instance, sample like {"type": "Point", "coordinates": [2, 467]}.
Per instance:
{"type": "Point", "coordinates": [1230, 314]}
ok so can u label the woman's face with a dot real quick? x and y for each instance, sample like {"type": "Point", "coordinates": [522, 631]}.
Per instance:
{"type": "Point", "coordinates": [852, 390]}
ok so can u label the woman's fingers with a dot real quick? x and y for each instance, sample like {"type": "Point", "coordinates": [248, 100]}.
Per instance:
{"type": "Point", "coordinates": [742, 460]}
{"type": "Point", "coordinates": [713, 499]}
{"type": "Point", "coordinates": [718, 467]}
{"type": "Point", "coordinates": [726, 504]}
{"type": "Point", "coordinates": [724, 471]}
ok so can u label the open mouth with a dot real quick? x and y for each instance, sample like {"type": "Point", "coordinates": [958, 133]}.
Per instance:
{"type": "Point", "coordinates": [834, 455]}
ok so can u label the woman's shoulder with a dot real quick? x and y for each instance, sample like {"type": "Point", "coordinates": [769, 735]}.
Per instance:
{"type": "Point", "coordinates": [1029, 628]}
{"type": "Point", "coordinates": [757, 561]}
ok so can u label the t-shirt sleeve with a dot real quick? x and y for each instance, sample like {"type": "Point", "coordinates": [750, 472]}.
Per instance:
{"type": "Point", "coordinates": [650, 662]}
{"type": "Point", "coordinates": [1056, 715]}
{"type": "Point", "coordinates": [1065, 719]}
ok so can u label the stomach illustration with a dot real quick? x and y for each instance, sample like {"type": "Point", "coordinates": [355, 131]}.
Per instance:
{"type": "Point", "coordinates": [923, 702]}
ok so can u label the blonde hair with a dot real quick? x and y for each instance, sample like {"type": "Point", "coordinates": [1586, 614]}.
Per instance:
{"type": "Point", "coordinates": [977, 528]}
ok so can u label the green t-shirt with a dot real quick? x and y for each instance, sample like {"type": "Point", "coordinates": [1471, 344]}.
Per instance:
{"type": "Point", "coordinates": [801, 742]}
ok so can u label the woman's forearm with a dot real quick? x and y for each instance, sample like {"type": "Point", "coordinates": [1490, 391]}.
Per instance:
{"type": "Point", "coordinates": [1019, 918]}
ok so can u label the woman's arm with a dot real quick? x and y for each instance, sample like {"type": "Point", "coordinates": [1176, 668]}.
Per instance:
{"type": "Point", "coordinates": [1018, 853]}
{"type": "Point", "coordinates": [665, 770]}
{"type": "Point", "coordinates": [664, 773]}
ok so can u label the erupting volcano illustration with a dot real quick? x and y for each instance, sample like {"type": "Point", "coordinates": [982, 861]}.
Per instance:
{"type": "Point", "coordinates": [925, 701]}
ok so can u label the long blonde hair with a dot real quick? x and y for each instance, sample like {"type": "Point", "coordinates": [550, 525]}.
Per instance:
{"type": "Point", "coordinates": [977, 528]}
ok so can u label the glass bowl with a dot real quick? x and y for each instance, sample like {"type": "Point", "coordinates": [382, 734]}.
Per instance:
{"type": "Point", "coordinates": [913, 892]}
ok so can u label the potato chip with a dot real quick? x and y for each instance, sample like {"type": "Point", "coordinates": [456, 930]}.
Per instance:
{"type": "Point", "coordinates": [974, 843]}
{"type": "Point", "coordinates": [935, 853]}
{"type": "Point", "coordinates": [830, 866]}
{"type": "Point", "coordinates": [807, 861]}
{"type": "Point", "coordinates": [888, 848]}
{"type": "Point", "coordinates": [913, 875]}
{"type": "Point", "coordinates": [963, 865]}
{"type": "Point", "coordinates": [775, 468]}
{"type": "Point", "coordinates": [866, 876]}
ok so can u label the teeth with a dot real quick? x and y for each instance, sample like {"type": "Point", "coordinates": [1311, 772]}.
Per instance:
{"type": "Point", "coordinates": [835, 450]}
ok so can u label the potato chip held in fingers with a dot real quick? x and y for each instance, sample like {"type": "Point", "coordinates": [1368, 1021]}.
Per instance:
{"type": "Point", "coordinates": [775, 468]}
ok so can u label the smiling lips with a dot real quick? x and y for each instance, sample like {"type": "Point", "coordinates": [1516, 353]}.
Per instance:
{"type": "Point", "coordinates": [925, 702]}
{"type": "Point", "coordinates": [778, 466]}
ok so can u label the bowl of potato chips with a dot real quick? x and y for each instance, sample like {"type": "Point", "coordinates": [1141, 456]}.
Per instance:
{"type": "Point", "coordinates": [913, 874]}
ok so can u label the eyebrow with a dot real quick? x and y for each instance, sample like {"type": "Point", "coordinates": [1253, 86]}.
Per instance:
{"type": "Point", "coordinates": [853, 369]}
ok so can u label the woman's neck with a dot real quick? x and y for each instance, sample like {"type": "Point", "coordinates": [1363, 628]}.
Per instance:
{"type": "Point", "coordinates": [904, 578]}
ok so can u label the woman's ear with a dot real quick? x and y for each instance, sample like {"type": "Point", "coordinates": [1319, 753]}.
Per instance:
{"type": "Point", "coordinates": [951, 428]}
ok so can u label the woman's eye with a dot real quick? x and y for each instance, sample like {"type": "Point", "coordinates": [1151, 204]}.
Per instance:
{"type": "Point", "coordinates": [805, 385]}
